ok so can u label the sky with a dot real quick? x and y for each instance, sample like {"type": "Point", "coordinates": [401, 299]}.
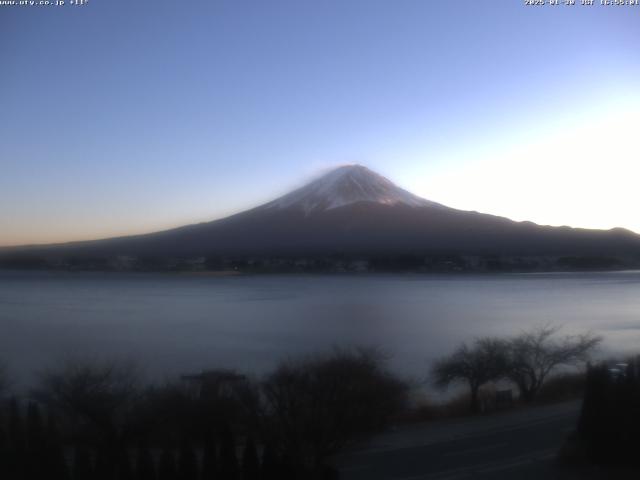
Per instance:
{"type": "Point", "coordinates": [122, 117]}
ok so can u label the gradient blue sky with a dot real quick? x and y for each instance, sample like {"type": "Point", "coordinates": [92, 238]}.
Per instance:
{"type": "Point", "coordinates": [131, 116]}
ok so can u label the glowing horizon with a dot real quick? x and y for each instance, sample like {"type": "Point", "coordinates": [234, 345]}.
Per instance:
{"type": "Point", "coordinates": [192, 114]}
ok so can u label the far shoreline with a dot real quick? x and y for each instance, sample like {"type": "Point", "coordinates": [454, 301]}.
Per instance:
{"type": "Point", "coordinates": [263, 273]}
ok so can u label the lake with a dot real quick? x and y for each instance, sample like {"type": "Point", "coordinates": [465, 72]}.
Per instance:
{"type": "Point", "coordinates": [173, 323]}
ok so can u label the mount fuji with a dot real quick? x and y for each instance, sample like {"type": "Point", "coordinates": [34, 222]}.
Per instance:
{"type": "Point", "coordinates": [352, 213]}
{"type": "Point", "coordinates": [344, 186]}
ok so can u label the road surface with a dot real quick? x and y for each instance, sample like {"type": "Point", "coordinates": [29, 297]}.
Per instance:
{"type": "Point", "coordinates": [520, 444]}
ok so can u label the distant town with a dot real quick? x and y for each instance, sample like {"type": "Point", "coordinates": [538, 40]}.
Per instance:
{"type": "Point", "coordinates": [338, 263]}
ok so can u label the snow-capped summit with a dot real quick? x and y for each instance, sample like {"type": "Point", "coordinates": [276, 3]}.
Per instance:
{"type": "Point", "coordinates": [346, 185]}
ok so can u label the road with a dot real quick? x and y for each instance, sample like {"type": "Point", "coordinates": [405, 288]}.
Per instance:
{"type": "Point", "coordinates": [518, 444]}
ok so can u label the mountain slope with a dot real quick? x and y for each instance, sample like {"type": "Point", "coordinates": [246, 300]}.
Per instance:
{"type": "Point", "coordinates": [356, 212]}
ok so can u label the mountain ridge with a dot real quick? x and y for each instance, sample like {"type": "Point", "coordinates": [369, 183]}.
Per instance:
{"type": "Point", "coordinates": [353, 213]}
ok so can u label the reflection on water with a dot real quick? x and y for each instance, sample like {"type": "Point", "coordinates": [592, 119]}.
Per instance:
{"type": "Point", "coordinates": [180, 323]}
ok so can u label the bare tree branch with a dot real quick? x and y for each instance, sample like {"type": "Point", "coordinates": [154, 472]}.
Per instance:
{"type": "Point", "coordinates": [484, 361]}
{"type": "Point", "coordinates": [321, 404]}
{"type": "Point", "coordinates": [534, 354]}
{"type": "Point", "coordinates": [96, 394]}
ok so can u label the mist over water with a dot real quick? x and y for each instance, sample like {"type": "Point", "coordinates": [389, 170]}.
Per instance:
{"type": "Point", "coordinates": [174, 324]}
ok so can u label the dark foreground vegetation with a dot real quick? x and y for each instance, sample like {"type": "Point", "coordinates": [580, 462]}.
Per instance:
{"type": "Point", "coordinates": [99, 421]}
{"type": "Point", "coordinates": [95, 421]}
{"type": "Point", "coordinates": [609, 425]}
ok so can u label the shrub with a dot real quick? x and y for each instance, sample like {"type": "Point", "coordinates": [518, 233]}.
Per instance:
{"type": "Point", "coordinates": [318, 406]}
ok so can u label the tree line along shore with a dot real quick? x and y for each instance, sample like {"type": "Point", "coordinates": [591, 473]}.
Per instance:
{"type": "Point", "coordinates": [98, 420]}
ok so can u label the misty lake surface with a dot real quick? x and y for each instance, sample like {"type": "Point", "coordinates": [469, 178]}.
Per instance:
{"type": "Point", "coordinates": [177, 323]}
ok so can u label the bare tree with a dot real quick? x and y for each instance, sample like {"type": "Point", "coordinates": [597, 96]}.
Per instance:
{"type": "Point", "coordinates": [94, 396]}
{"type": "Point", "coordinates": [484, 361]}
{"type": "Point", "coordinates": [318, 406]}
{"type": "Point", "coordinates": [533, 355]}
